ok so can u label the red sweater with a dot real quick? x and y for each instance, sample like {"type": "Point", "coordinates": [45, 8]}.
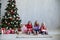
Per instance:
{"type": "Point", "coordinates": [28, 26]}
{"type": "Point", "coordinates": [43, 28]}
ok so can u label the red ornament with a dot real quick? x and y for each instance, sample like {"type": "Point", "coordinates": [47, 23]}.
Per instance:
{"type": "Point", "coordinates": [17, 18]}
{"type": "Point", "coordinates": [10, 18]}
{"type": "Point", "coordinates": [12, 12]}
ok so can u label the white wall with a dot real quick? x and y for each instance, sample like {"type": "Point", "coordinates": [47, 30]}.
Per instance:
{"type": "Point", "coordinates": [47, 11]}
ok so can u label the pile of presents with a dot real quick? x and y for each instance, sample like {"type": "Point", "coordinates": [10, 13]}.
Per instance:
{"type": "Point", "coordinates": [8, 31]}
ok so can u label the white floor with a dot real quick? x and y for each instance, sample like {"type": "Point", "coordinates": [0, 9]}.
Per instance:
{"type": "Point", "coordinates": [53, 35]}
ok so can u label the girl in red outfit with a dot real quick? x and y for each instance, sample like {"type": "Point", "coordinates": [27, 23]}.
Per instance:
{"type": "Point", "coordinates": [43, 29]}
{"type": "Point", "coordinates": [29, 27]}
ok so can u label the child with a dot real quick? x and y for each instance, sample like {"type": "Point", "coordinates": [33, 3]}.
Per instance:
{"type": "Point", "coordinates": [29, 27]}
{"type": "Point", "coordinates": [24, 29]}
{"type": "Point", "coordinates": [36, 28]}
{"type": "Point", "coordinates": [43, 29]}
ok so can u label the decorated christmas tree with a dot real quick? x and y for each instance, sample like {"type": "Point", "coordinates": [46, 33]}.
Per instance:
{"type": "Point", "coordinates": [11, 18]}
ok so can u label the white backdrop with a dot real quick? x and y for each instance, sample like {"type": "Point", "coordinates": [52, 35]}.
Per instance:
{"type": "Point", "coordinates": [47, 11]}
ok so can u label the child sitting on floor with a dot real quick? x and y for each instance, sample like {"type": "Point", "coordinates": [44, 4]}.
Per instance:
{"type": "Point", "coordinates": [29, 27]}
{"type": "Point", "coordinates": [24, 29]}
{"type": "Point", "coordinates": [36, 28]}
{"type": "Point", "coordinates": [43, 29]}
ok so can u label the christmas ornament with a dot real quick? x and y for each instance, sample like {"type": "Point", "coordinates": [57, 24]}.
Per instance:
{"type": "Point", "coordinates": [12, 22]}
{"type": "Point", "coordinates": [12, 5]}
{"type": "Point", "coordinates": [5, 21]}
{"type": "Point", "coordinates": [6, 27]}
{"type": "Point", "coordinates": [17, 15]}
{"type": "Point", "coordinates": [12, 12]}
{"type": "Point", "coordinates": [17, 18]}
{"type": "Point", "coordinates": [10, 18]}
{"type": "Point", "coordinates": [15, 12]}
{"type": "Point", "coordinates": [16, 22]}
{"type": "Point", "coordinates": [8, 23]}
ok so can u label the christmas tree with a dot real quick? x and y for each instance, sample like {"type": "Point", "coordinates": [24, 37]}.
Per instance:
{"type": "Point", "coordinates": [11, 18]}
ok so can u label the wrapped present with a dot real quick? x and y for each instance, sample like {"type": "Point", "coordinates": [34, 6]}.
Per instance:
{"type": "Point", "coordinates": [8, 32]}
{"type": "Point", "coordinates": [3, 30]}
{"type": "Point", "coordinates": [12, 31]}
